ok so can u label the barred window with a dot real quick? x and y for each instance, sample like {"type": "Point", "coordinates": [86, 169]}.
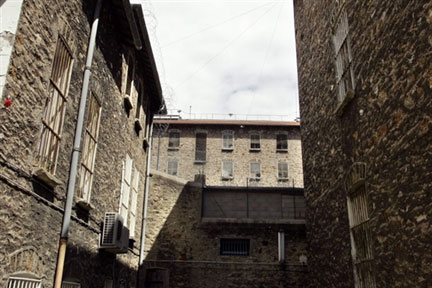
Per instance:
{"type": "Point", "coordinates": [172, 167]}
{"type": "Point", "coordinates": [234, 247]}
{"type": "Point", "coordinates": [173, 140]}
{"type": "Point", "coordinates": [281, 142]}
{"type": "Point", "coordinates": [200, 147]}
{"type": "Point", "coordinates": [89, 149]}
{"type": "Point", "coordinates": [24, 280]}
{"type": "Point", "coordinates": [69, 284]}
{"type": "Point", "coordinates": [54, 110]}
{"type": "Point", "coordinates": [282, 170]}
{"type": "Point", "coordinates": [227, 169]}
{"type": "Point", "coordinates": [255, 142]}
{"type": "Point", "coordinates": [361, 238]}
{"type": "Point", "coordinates": [342, 47]}
{"type": "Point", "coordinates": [227, 140]}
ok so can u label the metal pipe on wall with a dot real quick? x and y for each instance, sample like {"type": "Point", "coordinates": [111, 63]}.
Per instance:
{"type": "Point", "coordinates": [75, 153]}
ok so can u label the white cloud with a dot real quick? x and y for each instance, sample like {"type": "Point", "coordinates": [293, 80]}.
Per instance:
{"type": "Point", "coordinates": [246, 65]}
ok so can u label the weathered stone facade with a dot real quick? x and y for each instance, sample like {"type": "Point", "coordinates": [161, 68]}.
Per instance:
{"type": "Point", "coordinates": [385, 128]}
{"type": "Point", "coordinates": [241, 155]}
{"type": "Point", "coordinates": [189, 249]}
{"type": "Point", "coordinates": [31, 209]}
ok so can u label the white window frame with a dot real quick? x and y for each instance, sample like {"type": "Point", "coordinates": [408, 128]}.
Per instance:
{"type": "Point", "coordinates": [279, 171]}
{"type": "Point", "coordinates": [251, 142]}
{"type": "Point", "coordinates": [90, 139]}
{"type": "Point", "coordinates": [250, 170]}
{"type": "Point", "coordinates": [175, 161]}
{"type": "Point", "coordinates": [55, 107]}
{"type": "Point", "coordinates": [126, 187]}
{"type": "Point", "coordinates": [227, 136]}
{"type": "Point", "coordinates": [281, 149]}
{"type": "Point", "coordinates": [134, 203]}
{"type": "Point", "coordinates": [178, 141]}
{"type": "Point", "coordinates": [227, 177]}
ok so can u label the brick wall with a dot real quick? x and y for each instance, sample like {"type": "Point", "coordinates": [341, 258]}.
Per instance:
{"type": "Point", "coordinates": [387, 126]}
{"type": "Point", "coordinates": [241, 154]}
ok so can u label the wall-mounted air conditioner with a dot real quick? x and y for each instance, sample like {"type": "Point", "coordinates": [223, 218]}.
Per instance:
{"type": "Point", "coordinates": [115, 236]}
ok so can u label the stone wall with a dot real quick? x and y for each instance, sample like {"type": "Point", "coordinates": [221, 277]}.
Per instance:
{"type": "Point", "coordinates": [30, 221]}
{"type": "Point", "coordinates": [241, 154]}
{"type": "Point", "coordinates": [177, 239]}
{"type": "Point", "coordinates": [387, 125]}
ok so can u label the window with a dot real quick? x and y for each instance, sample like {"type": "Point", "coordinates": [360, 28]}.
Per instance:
{"type": "Point", "coordinates": [24, 280]}
{"type": "Point", "coordinates": [173, 140]}
{"type": "Point", "coordinates": [129, 194]}
{"type": "Point", "coordinates": [281, 142]}
{"type": "Point", "coordinates": [69, 284]}
{"type": "Point", "coordinates": [227, 140]}
{"type": "Point", "coordinates": [54, 110]}
{"type": "Point", "coordinates": [200, 147]}
{"type": "Point", "coordinates": [235, 247]}
{"type": "Point", "coordinates": [361, 238]}
{"type": "Point", "coordinates": [128, 78]}
{"type": "Point", "coordinates": [89, 149]}
{"type": "Point", "coordinates": [227, 169]}
{"type": "Point", "coordinates": [283, 171]}
{"type": "Point", "coordinates": [140, 116]}
{"type": "Point", "coordinates": [255, 142]}
{"type": "Point", "coordinates": [172, 167]}
{"type": "Point", "coordinates": [344, 72]}
{"type": "Point", "coordinates": [255, 170]}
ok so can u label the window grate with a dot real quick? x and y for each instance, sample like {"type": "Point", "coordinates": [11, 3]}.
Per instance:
{"type": "Point", "coordinates": [18, 282]}
{"type": "Point", "coordinates": [234, 247]}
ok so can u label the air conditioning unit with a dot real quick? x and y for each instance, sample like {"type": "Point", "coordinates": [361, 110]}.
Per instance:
{"type": "Point", "coordinates": [115, 236]}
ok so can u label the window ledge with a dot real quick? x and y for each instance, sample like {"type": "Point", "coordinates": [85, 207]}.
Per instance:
{"type": "Point", "coordinates": [340, 109]}
{"type": "Point", "coordinates": [226, 178]}
{"type": "Point", "coordinates": [283, 179]}
{"type": "Point", "coordinates": [173, 148]}
{"type": "Point", "coordinates": [257, 179]}
{"type": "Point", "coordinates": [200, 162]}
{"type": "Point", "coordinates": [228, 149]}
{"type": "Point", "coordinates": [282, 150]}
{"type": "Point", "coordinates": [46, 177]}
{"type": "Point", "coordinates": [84, 204]}
{"type": "Point", "coordinates": [128, 102]}
{"type": "Point", "coordinates": [255, 149]}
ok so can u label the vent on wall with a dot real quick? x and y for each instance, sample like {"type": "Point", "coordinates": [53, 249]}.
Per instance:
{"type": "Point", "coordinates": [115, 236]}
{"type": "Point", "coordinates": [234, 247]}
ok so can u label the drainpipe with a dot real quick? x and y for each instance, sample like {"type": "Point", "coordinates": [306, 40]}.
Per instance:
{"type": "Point", "coordinates": [76, 149]}
{"type": "Point", "coordinates": [146, 193]}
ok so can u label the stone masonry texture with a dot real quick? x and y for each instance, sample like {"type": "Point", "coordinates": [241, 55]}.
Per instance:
{"type": "Point", "coordinates": [240, 155]}
{"type": "Point", "coordinates": [30, 211]}
{"type": "Point", "coordinates": [179, 241]}
{"type": "Point", "coordinates": [387, 125]}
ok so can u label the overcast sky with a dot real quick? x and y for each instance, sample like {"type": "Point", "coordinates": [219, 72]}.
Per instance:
{"type": "Point", "coordinates": [225, 56]}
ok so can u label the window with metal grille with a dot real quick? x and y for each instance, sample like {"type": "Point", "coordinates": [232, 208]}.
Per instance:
{"type": "Point", "coordinates": [234, 247]}
{"type": "Point", "coordinates": [342, 47]}
{"type": "Point", "coordinates": [200, 147]}
{"type": "Point", "coordinates": [68, 284]}
{"type": "Point", "coordinates": [227, 140]}
{"type": "Point", "coordinates": [24, 281]}
{"type": "Point", "coordinates": [89, 149]}
{"type": "Point", "coordinates": [173, 140]}
{"type": "Point", "coordinates": [282, 170]}
{"type": "Point", "coordinates": [361, 238]}
{"type": "Point", "coordinates": [281, 142]}
{"type": "Point", "coordinates": [172, 167]}
{"type": "Point", "coordinates": [227, 169]}
{"type": "Point", "coordinates": [255, 142]}
{"type": "Point", "coordinates": [255, 170]}
{"type": "Point", "coordinates": [54, 110]}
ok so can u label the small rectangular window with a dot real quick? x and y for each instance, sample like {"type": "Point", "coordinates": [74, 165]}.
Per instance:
{"type": "Point", "coordinates": [255, 170]}
{"type": "Point", "coordinates": [227, 170]}
{"type": "Point", "coordinates": [227, 140]}
{"type": "Point", "coordinates": [24, 282]}
{"type": "Point", "coordinates": [235, 247]}
{"type": "Point", "coordinates": [281, 142]}
{"type": "Point", "coordinates": [172, 167]}
{"type": "Point", "coordinates": [200, 147]}
{"type": "Point", "coordinates": [255, 142]}
{"type": "Point", "coordinates": [282, 170]}
{"type": "Point", "coordinates": [68, 284]}
{"type": "Point", "coordinates": [173, 140]}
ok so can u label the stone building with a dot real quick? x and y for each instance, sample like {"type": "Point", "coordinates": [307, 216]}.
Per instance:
{"type": "Point", "coordinates": [221, 193]}
{"type": "Point", "coordinates": [46, 79]}
{"type": "Point", "coordinates": [230, 152]}
{"type": "Point", "coordinates": [365, 90]}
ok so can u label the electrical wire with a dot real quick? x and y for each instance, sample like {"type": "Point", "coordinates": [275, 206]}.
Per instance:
{"type": "Point", "coordinates": [214, 25]}
{"type": "Point", "coordinates": [223, 49]}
